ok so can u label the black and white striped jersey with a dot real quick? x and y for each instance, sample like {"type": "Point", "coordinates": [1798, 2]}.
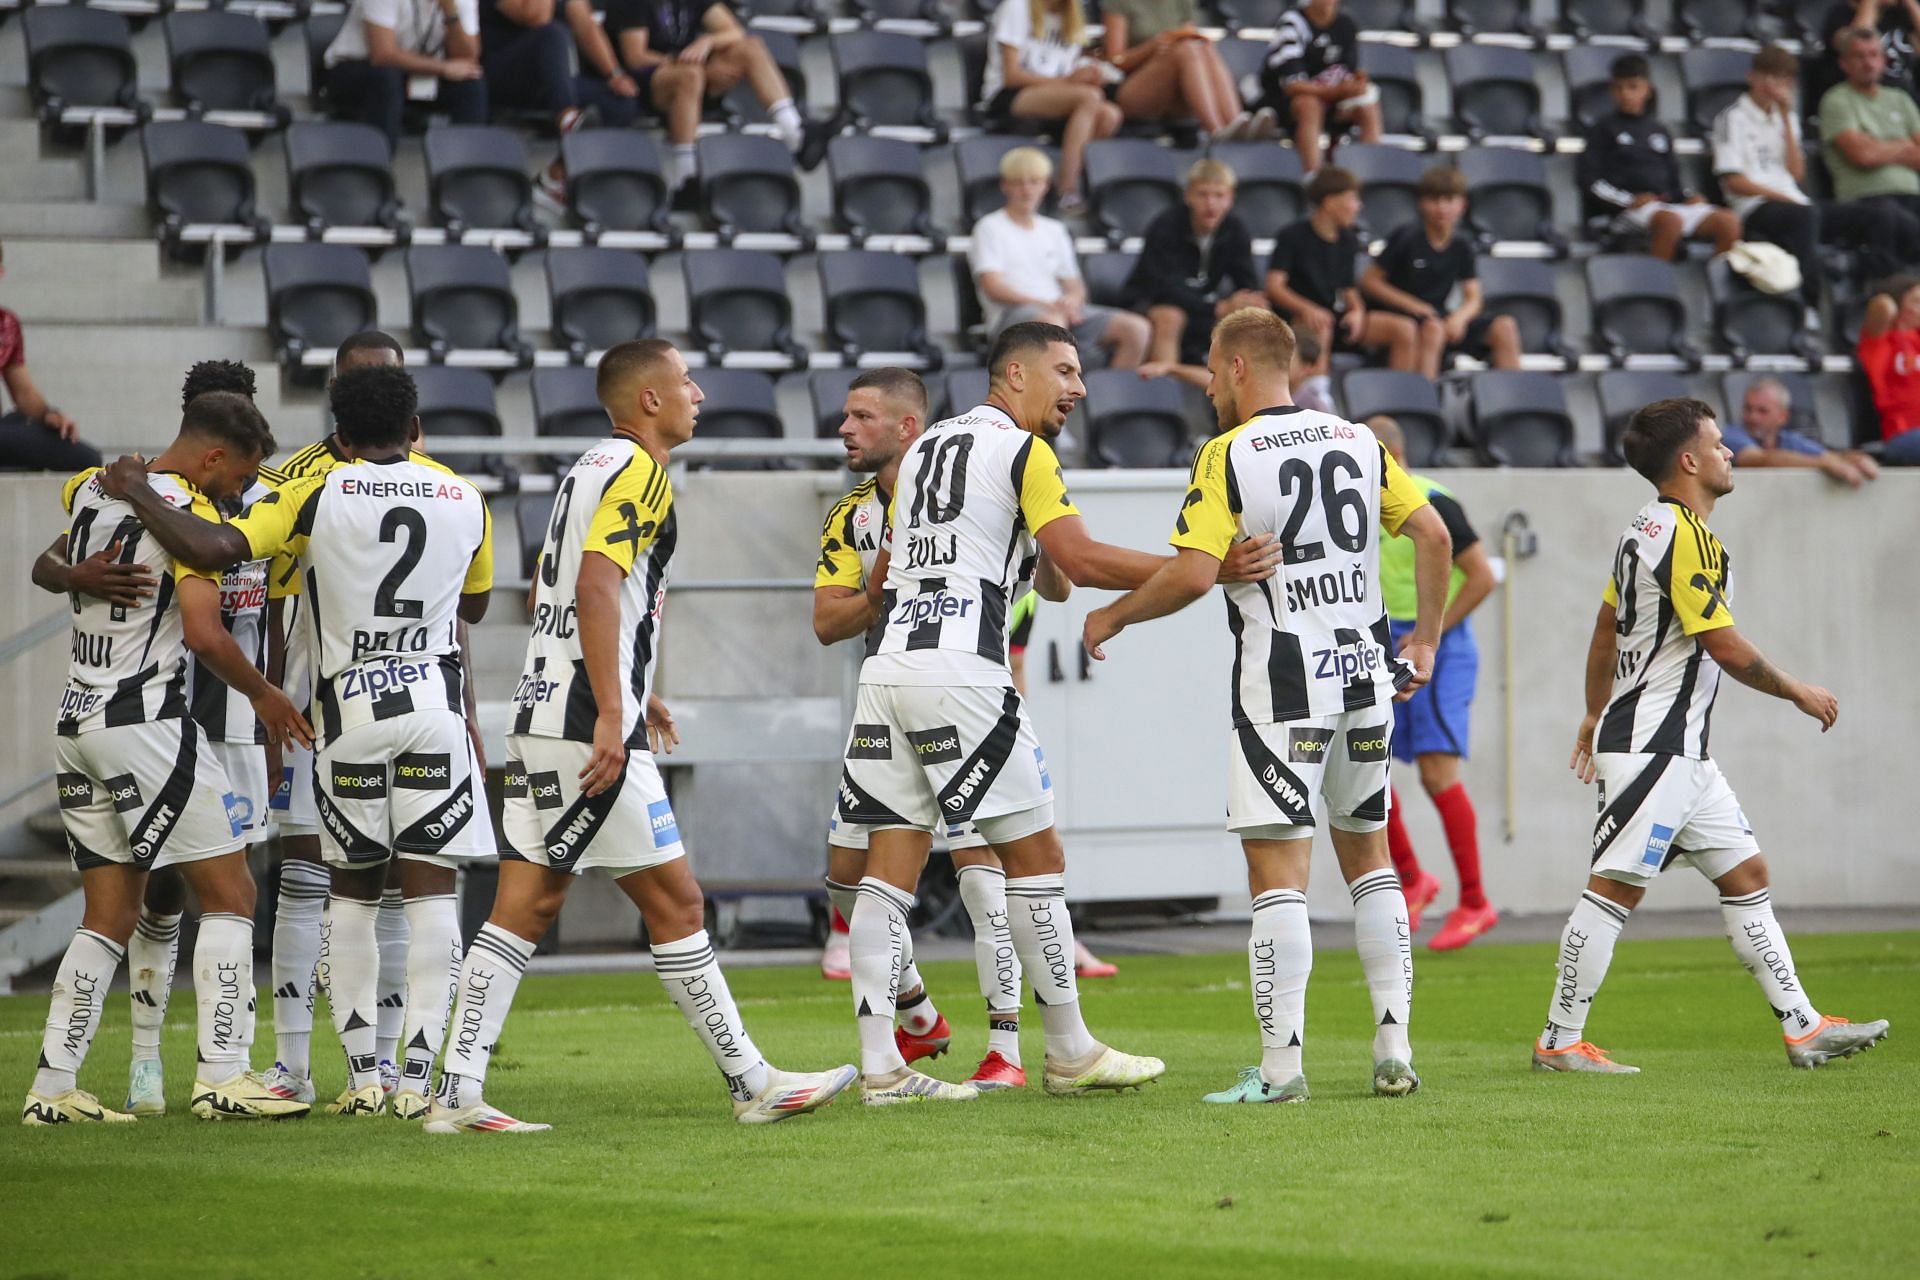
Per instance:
{"type": "Point", "coordinates": [1669, 586]}
{"type": "Point", "coordinates": [225, 715]}
{"type": "Point", "coordinates": [1312, 640]}
{"type": "Point", "coordinates": [129, 662]}
{"type": "Point", "coordinates": [972, 492]}
{"type": "Point", "coordinates": [618, 502]}
{"type": "Point", "coordinates": [385, 550]}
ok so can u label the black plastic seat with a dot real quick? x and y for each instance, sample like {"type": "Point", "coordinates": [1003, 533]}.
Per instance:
{"type": "Point", "coordinates": [1521, 419]}
{"type": "Point", "coordinates": [977, 161]}
{"type": "Point", "coordinates": [319, 31]}
{"type": "Point", "coordinates": [1133, 421]}
{"type": "Point", "coordinates": [599, 298]}
{"type": "Point", "coordinates": [739, 405]}
{"type": "Point", "coordinates": [1409, 399]}
{"type": "Point", "coordinates": [1585, 19]}
{"type": "Point", "coordinates": [1589, 72]}
{"type": "Point", "coordinates": [1244, 58]}
{"type": "Point", "coordinates": [883, 79]}
{"type": "Point", "coordinates": [874, 302]}
{"type": "Point", "coordinates": [1129, 182]}
{"type": "Point", "coordinates": [1389, 183]}
{"type": "Point", "coordinates": [1382, 15]}
{"type": "Point", "coordinates": [1471, 17]}
{"type": "Point", "coordinates": [871, 11]}
{"type": "Point", "coordinates": [1267, 194]}
{"type": "Point", "coordinates": [1713, 79]}
{"type": "Point", "coordinates": [1496, 91]}
{"type": "Point", "coordinates": [566, 402]}
{"type": "Point", "coordinates": [1623, 392]}
{"type": "Point", "coordinates": [1106, 277]}
{"type": "Point", "coordinates": [747, 183]}
{"type": "Point", "coordinates": [341, 175]}
{"type": "Point", "coordinates": [1259, 14]}
{"type": "Point", "coordinates": [198, 173]}
{"type": "Point", "coordinates": [1523, 289]}
{"type": "Point", "coordinates": [615, 181]}
{"type": "Point", "coordinates": [477, 176]}
{"type": "Point", "coordinates": [1637, 305]}
{"type": "Point", "coordinates": [827, 392]}
{"type": "Point", "coordinates": [879, 188]}
{"type": "Point", "coordinates": [532, 513]}
{"type": "Point", "coordinates": [966, 389]}
{"type": "Point", "coordinates": [1395, 70]}
{"type": "Point", "coordinates": [737, 300]}
{"type": "Point", "coordinates": [220, 61]}
{"type": "Point", "coordinates": [458, 402]}
{"type": "Point", "coordinates": [318, 295]}
{"type": "Point", "coordinates": [462, 298]}
{"type": "Point", "coordinates": [1727, 20]}
{"type": "Point", "coordinates": [966, 301]}
{"type": "Point", "coordinates": [79, 57]}
{"type": "Point", "coordinates": [1510, 199]}
{"type": "Point", "coordinates": [1751, 323]}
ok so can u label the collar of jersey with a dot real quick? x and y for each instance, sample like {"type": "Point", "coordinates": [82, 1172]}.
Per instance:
{"type": "Point", "coordinates": [1278, 408]}
{"type": "Point", "coordinates": [185, 483]}
{"type": "Point", "coordinates": [984, 407]}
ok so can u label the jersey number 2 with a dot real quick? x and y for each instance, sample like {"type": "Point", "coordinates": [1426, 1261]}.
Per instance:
{"type": "Point", "coordinates": [386, 601]}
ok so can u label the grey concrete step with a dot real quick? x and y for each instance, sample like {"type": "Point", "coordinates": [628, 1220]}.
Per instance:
{"type": "Point", "coordinates": [37, 866]}
{"type": "Point", "coordinates": [75, 218]}
{"type": "Point", "coordinates": [85, 280]}
{"type": "Point", "coordinates": [33, 173]}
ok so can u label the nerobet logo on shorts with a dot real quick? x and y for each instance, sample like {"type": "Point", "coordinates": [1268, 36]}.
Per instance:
{"type": "Point", "coordinates": [545, 789]}
{"type": "Point", "coordinates": [423, 771]}
{"type": "Point", "coordinates": [934, 746]}
{"type": "Point", "coordinates": [75, 789]}
{"type": "Point", "coordinates": [1308, 746]}
{"type": "Point", "coordinates": [1367, 744]}
{"type": "Point", "coordinates": [359, 781]}
{"type": "Point", "coordinates": [124, 792]}
{"type": "Point", "coordinates": [870, 742]}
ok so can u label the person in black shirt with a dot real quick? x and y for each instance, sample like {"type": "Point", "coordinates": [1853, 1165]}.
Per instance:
{"type": "Point", "coordinates": [1422, 263]}
{"type": "Point", "coordinates": [1195, 266]}
{"type": "Point", "coordinates": [1311, 83]}
{"type": "Point", "coordinates": [1310, 276]}
{"type": "Point", "coordinates": [1895, 20]}
{"type": "Point", "coordinates": [1628, 168]}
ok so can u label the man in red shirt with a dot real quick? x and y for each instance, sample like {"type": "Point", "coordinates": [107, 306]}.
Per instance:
{"type": "Point", "coordinates": [1889, 355]}
{"type": "Point", "coordinates": [35, 436]}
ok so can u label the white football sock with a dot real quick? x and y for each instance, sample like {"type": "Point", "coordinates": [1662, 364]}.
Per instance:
{"type": "Point", "coordinates": [1761, 945]}
{"type": "Point", "coordinates": [1586, 949]}
{"type": "Point", "coordinates": [843, 896]}
{"type": "Point", "coordinates": [691, 974]}
{"type": "Point", "coordinates": [983, 889]}
{"type": "Point", "coordinates": [786, 118]}
{"type": "Point", "coordinates": [1385, 944]}
{"type": "Point", "coordinates": [433, 967]}
{"type": "Point", "coordinates": [296, 949]}
{"type": "Point", "coordinates": [350, 965]}
{"type": "Point", "coordinates": [916, 1010]}
{"type": "Point", "coordinates": [222, 990]}
{"type": "Point", "coordinates": [391, 933]}
{"type": "Point", "coordinates": [488, 978]}
{"type": "Point", "coordinates": [1279, 958]}
{"type": "Point", "coordinates": [686, 164]}
{"type": "Point", "coordinates": [1043, 937]}
{"type": "Point", "coordinates": [151, 955]}
{"type": "Point", "coordinates": [80, 987]}
{"type": "Point", "coordinates": [876, 939]}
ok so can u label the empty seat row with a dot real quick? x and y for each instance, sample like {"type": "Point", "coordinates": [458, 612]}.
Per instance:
{"type": "Point", "coordinates": [83, 57]}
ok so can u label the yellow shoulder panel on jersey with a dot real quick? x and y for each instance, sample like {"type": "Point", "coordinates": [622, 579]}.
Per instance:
{"type": "Point", "coordinates": [631, 512]}
{"type": "Point", "coordinates": [272, 476]}
{"type": "Point", "coordinates": [1699, 566]}
{"type": "Point", "coordinates": [426, 461]}
{"type": "Point", "coordinates": [1611, 596]}
{"type": "Point", "coordinates": [839, 560]}
{"type": "Point", "coordinates": [1400, 497]}
{"type": "Point", "coordinates": [273, 526]}
{"type": "Point", "coordinates": [1210, 514]}
{"type": "Point", "coordinates": [1043, 489]}
{"type": "Point", "coordinates": [72, 486]}
{"type": "Point", "coordinates": [315, 459]}
{"type": "Point", "coordinates": [480, 569]}
{"type": "Point", "coordinates": [199, 505]}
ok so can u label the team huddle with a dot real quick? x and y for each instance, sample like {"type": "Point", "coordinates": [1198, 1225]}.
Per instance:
{"type": "Point", "coordinates": [331, 597]}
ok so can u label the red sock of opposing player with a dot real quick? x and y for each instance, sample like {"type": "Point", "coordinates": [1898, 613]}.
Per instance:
{"type": "Point", "coordinates": [1400, 846]}
{"type": "Point", "coordinates": [1463, 838]}
{"type": "Point", "coordinates": [839, 921]}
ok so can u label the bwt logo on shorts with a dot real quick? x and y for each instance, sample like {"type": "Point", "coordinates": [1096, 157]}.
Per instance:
{"type": "Point", "coordinates": [870, 742]}
{"type": "Point", "coordinates": [666, 831]}
{"type": "Point", "coordinates": [76, 790]}
{"type": "Point", "coordinates": [544, 787]}
{"type": "Point", "coordinates": [936, 745]}
{"type": "Point", "coordinates": [359, 781]}
{"type": "Point", "coordinates": [124, 792]}
{"type": "Point", "coordinates": [423, 771]}
{"type": "Point", "coordinates": [513, 779]}
{"type": "Point", "coordinates": [1367, 744]}
{"type": "Point", "coordinates": [1658, 845]}
{"type": "Point", "coordinates": [1308, 746]}
{"type": "Point", "coordinates": [1282, 788]}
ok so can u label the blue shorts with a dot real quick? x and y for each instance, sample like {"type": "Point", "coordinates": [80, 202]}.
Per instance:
{"type": "Point", "coordinates": [1436, 720]}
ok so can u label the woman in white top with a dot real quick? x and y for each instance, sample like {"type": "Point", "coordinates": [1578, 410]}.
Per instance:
{"type": "Point", "coordinates": [386, 43]}
{"type": "Point", "coordinates": [1038, 69]}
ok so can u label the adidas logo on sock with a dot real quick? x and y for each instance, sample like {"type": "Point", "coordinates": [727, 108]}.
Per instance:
{"type": "Point", "coordinates": [289, 992]}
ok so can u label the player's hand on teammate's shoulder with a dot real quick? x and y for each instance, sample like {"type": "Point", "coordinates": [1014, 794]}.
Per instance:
{"type": "Point", "coordinates": [120, 474]}
{"type": "Point", "coordinates": [1582, 762]}
{"type": "Point", "coordinates": [1251, 559]}
{"type": "Point", "coordinates": [102, 577]}
{"type": "Point", "coordinates": [662, 736]}
{"type": "Point", "coordinates": [1818, 703]}
{"type": "Point", "coordinates": [281, 719]}
{"type": "Point", "coordinates": [609, 758]}
{"type": "Point", "coordinates": [1098, 629]}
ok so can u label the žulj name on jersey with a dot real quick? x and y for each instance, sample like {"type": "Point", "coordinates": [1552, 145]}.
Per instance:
{"type": "Point", "coordinates": [932, 550]}
{"type": "Point", "coordinates": [1335, 586]}
{"type": "Point", "coordinates": [374, 681]}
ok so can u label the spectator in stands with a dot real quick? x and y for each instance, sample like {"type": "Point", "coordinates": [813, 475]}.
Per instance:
{"type": "Point", "coordinates": [1419, 268]}
{"type": "Point", "coordinates": [1628, 168]}
{"type": "Point", "coordinates": [1171, 68]}
{"type": "Point", "coordinates": [1312, 82]}
{"type": "Point", "coordinates": [1025, 269]}
{"type": "Point", "coordinates": [1872, 136]}
{"type": "Point", "coordinates": [1892, 21]}
{"type": "Point", "coordinates": [1889, 355]}
{"type": "Point", "coordinates": [1038, 69]}
{"type": "Point", "coordinates": [387, 45]}
{"type": "Point", "coordinates": [1195, 265]}
{"type": "Point", "coordinates": [1762, 439]}
{"type": "Point", "coordinates": [35, 436]}
{"type": "Point", "coordinates": [1758, 158]}
{"type": "Point", "coordinates": [1310, 277]}
{"type": "Point", "coordinates": [1312, 376]}
{"type": "Point", "coordinates": [685, 52]}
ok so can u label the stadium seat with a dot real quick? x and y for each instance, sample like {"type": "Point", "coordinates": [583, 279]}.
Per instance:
{"type": "Point", "coordinates": [739, 404]}
{"type": "Point", "coordinates": [459, 402]}
{"type": "Point", "coordinates": [1751, 323]}
{"type": "Point", "coordinates": [1508, 195]}
{"type": "Point", "coordinates": [477, 177]}
{"type": "Point", "coordinates": [319, 30]}
{"type": "Point", "coordinates": [1133, 421]}
{"type": "Point", "coordinates": [1268, 194]}
{"type": "Point", "coordinates": [615, 181]}
{"type": "Point", "coordinates": [532, 512]}
{"type": "Point", "coordinates": [198, 173]}
{"type": "Point", "coordinates": [977, 161]}
{"type": "Point", "coordinates": [220, 61]}
{"type": "Point", "coordinates": [1523, 288]}
{"type": "Point", "coordinates": [742, 105]}
{"type": "Point", "coordinates": [737, 300]}
{"type": "Point", "coordinates": [1804, 413]}
{"type": "Point", "coordinates": [1496, 91]}
{"type": "Point", "coordinates": [872, 11]}
{"type": "Point", "coordinates": [879, 188]}
{"type": "Point", "coordinates": [1410, 399]}
{"type": "Point", "coordinates": [874, 302]}
{"type": "Point", "coordinates": [1239, 15]}
{"type": "Point", "coordinates": [462, 299]}
{"type": "Point", "coordinates": [566, 403]}
{"type": "Point", "coordinates": [1129, 181]}
{"type": "Point", "coordinates": [1389, 179]}
{"type": "Point", "coordinates": [827, 392]}
{"type": "Point", "coordinates": [966, 389]}
{"type": "Point", "coordinates": [1637, 305]}
{"type": "Point", "coordinates": [318, 295]}
{"type": "Point", "coordinates": [1621, 392]}
{"type": "Point", "coordinates": [1244, 58]}
{"type": "Point", "coordinates": [883, 79]}
{"type": "Point", "coordinates": [1521, 420]}
{"type": "Point", "coordinates": [1502, 17]}
{"type": "Point", "coordinates": [78, 57]}
{"type": "Point", "coordinates": [973, 73]}
{"type": "Point", "coordinates": [1585, 19]}
{"type": "Point", "coordinates": [1589, 72]}
{"type": "Point", "coordinates": [340, 175]}
{"type": "Point", "coordinates": [966, 300]}
{"type": "Point", "coordinates": [1725, 20]}
{"type": "Point", "coordinates": [1395, 69]}
{"type": "Point", "coordinates": [1713, 79]}
{"type": "Point", "coordinates": [1106, 277]}
{"type": "Point", "coordinates": [599, 298]}
{"type": "Point", "coordinates": [747, 184]}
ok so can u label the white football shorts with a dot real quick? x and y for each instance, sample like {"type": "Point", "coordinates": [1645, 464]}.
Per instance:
{"type": "Point", "coordinates": [626, 828]}
{"type": "Point", "coordinates": [1655, 809]}
{"type": "Point", "coordinates": [1281, 770]}
{"type": "Point", "coordinates": [245, 764]}
{"type": "Point", "coordinates": [404, 785]}
{"type": "Point", "coordinates": [143, 795]}
{"type": "Point", "coordinates": [933, 757]}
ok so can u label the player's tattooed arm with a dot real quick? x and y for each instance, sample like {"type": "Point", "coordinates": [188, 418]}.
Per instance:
{"type": "Point", "coordinates": [1742, 659]}
{"type": "Point", "coordinates": [187, 538]}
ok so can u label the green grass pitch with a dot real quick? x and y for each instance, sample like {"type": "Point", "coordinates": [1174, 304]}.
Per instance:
{"type": "Point", "coordinates": [1718, 1160]}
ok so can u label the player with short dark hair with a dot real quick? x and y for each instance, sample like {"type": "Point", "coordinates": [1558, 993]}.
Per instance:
{"type": "Point", "coordinates": [1662, 638]}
